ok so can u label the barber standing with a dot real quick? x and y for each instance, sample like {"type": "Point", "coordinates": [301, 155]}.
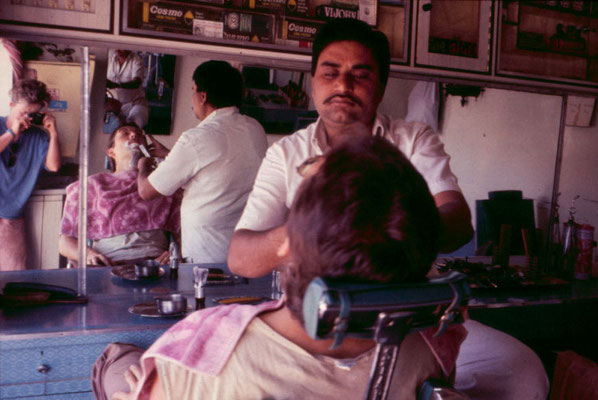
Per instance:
{"type": "Point", "coordinates": [215, 163]}
{"type": "Point", "coordinates": [24, 149]}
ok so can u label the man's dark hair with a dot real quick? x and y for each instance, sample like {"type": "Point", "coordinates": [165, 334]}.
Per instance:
{"type": "Point", "coordinates": [337, 30]}
{"type": "Point", "coordinates": [222, 83]}
{"type": "Point", "coordinates": [31, 91]}
{"type": "Point", "coordinates": [366, 215]}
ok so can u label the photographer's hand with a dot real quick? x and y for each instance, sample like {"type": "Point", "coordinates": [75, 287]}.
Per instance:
{"type": "Point", "coordinates": [49, 124]}
{"type": "Point", "coordinates": [53, 159]}
{"type": "Point", "coordinates": [18, 125]}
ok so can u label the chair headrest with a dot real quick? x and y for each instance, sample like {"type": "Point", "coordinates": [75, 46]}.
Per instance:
{"type": "Point", "coordinates": [333, 308]}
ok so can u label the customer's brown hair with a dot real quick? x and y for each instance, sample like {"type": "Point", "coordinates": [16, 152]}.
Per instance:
{"type": "Point", "coordinates": [366, 215]}
{"type": "Point", "coordinates": [31, 91]}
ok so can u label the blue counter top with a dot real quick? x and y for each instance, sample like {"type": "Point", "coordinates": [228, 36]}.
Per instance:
{"type": "Point", "coordinates": [109, 299]}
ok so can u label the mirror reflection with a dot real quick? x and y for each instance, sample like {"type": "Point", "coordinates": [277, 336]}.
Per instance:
{"type": "Point", "coordinates": [478, 134]}
{"type": "Point", "coordinates": [139, 87]}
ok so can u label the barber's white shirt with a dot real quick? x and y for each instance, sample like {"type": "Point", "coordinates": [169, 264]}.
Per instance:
{"type": "Point", "coordinates": [132, 68]}
{"type": "Point", "coordinates": [215, 163]}
{"type": "Point", "coordinates": [278, 180]}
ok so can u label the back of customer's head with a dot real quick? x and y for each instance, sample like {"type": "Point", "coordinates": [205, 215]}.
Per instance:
{"type": "Point", "coordinates": [338, 30]}
{"type": "Point", "coordinates": [31, 91]}
{"type": "Point", "coordinates": [366, 216]}
{"type": "Point", "coordinates": [222, 83]}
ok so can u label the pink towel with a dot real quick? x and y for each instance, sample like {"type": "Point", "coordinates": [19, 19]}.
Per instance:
{"type": "Point", "coordinates": [115, 208]}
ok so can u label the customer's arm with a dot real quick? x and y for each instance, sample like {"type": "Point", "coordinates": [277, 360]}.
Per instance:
{"type": "Point", "coordinates": [253, 254]}
{"type": "Point", "coordinates": [68, 246]}
{"type": "Point", "coordinates": [456, 220]}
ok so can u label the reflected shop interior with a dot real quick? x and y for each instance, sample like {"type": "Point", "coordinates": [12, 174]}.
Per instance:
{"type": "Point", "coordinates": [280, 100]}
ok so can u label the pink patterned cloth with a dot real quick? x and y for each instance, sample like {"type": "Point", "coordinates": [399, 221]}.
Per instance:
{"type": "Point", "coordinates": [114, 207]}
{"type": "Point", "coordinates": [205, 340]}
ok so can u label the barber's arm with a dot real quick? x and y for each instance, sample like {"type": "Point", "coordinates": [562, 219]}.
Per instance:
{"type": "Point", "coordinates": [68, 247]}
{"type": "Point", "coordinates": [253, 254]}
{"type": "Point", "coordinates": [134, 84]}
{"type": "Point", "coordinates": [456, 220]}
{"type": "Point", "coordinates": [53, 160]}
{"type": "Point", "coordinates": [144, 186]}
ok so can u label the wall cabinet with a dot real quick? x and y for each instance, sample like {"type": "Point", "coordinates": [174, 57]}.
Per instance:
{"type": "Point", "coordinates": [454, 34]}
{"type": "Point", "coordinates": [59, 366]}
{"type": "Point", "coordinates": [555, 40]}
{"type": "Point", "coordinates": [542, 44]}
{"type": "Point", "coordinates": [43, 214]}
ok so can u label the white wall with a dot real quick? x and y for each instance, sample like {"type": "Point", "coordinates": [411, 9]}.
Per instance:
{"type": "Point", "coordinates": [579, 174]}
{"type": "Point", "coordinates": [504, 140]}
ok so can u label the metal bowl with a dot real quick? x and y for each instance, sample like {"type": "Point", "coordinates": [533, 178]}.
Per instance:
{"type": "Point", "coordinates": [147, 269]}
{"type": "Point", "coordinates": [171, 304]}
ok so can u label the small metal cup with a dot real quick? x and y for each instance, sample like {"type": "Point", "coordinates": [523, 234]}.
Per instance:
{"type": "Point", "coordinates": [147, 269]}
{"type": "Point", "coordinates": [171, 304]}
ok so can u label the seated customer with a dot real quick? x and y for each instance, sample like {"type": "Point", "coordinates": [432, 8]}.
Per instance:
{"type": "Point", "coordinates": [122, 226]}
{"type": "Point", "coordinates": [366, 215]}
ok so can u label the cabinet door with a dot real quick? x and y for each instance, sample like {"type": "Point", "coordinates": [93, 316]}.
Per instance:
{"type": "Point", "coordinates": [51, 231]}
{"type": "Point", "coordinates": [43, 215]}
{"type": "Point", "coordinates": [454, 34]}
{"type": "Point", "coordinates": [34, 215]}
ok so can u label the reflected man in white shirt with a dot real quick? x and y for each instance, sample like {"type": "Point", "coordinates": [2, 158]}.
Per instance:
{"type": "Point", "coordinates": [215, 163]}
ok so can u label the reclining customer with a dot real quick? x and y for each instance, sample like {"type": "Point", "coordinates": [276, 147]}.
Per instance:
{"type": "Point", "coordinates": [121, 225]}
{"type": "Point", "coordinates": [366, 215]}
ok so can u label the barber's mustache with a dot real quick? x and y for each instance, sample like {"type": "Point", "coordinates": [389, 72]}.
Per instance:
{"type": "Point", "coordinates": [343, 96]}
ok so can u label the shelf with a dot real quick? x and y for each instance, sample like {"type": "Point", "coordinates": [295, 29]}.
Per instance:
{"type": "Point", "coordinates": [584, 13]}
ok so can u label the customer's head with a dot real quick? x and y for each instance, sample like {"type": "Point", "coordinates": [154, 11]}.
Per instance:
{"type": "Point", "coordinates": [217, 83]}
{"type": "Point", "coordinates": [119, 150]}
{"type": "Point", "coordinates": [350, 67]}
{"type": "Point", "coordinates": [366, 215]}
{"type": "Point", "coordinates": [28, 96]}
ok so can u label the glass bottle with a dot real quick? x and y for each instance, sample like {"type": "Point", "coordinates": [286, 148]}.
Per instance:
{"type": "Point", "coordinates": [570, 243]}
{"type": "Point", "coordinates": [555, 246]}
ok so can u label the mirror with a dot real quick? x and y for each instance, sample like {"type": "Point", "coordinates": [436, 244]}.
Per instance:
{"type": "Point", "coordinates": [139, 89]}
{"type": "Point", "coordinates": [502, 140]}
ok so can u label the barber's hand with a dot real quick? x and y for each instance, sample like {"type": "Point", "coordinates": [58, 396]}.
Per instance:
{"type": "Point", "coordinates": [163, 258]}
{"type": "Point", "coordinates": [146, 165]}
{"type": "Point", "coordinates": [49, 124]}
{"type": "Point", "coordinates": [132, 376]}
{"type": "Point", "coordinates": [156, 148]}
{"type": "Point", "coordinates": [96, 258]}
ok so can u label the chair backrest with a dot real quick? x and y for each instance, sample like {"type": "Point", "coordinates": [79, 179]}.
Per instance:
{"type": "Point", "coordinates": [384, 313]}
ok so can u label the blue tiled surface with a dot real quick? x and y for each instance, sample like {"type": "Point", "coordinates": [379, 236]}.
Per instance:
{"type": "Point", "coordinates": [68, 338]}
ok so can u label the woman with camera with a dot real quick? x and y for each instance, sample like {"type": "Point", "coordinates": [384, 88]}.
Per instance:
{"type": "Point", "coordinates": [24, 149]}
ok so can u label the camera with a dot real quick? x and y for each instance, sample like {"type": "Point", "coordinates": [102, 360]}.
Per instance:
{"type": "Point", "coordinates": [36, 118]}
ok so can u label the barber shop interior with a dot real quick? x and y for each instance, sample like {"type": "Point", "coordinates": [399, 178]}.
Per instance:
{"type": "Point", "coordinates": [298, 199]}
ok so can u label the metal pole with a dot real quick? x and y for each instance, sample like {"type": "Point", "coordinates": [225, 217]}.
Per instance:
{"type": "Point", "coordinates": [556, 181]}
{"type": "Point", "coordinates": [83, 168]}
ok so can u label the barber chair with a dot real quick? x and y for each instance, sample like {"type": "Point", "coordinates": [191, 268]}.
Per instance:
{"type": "Point", "coordinates": [386, 314]}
